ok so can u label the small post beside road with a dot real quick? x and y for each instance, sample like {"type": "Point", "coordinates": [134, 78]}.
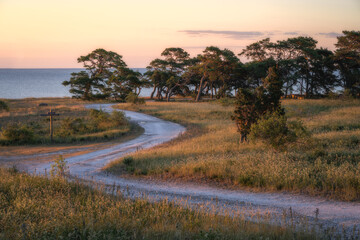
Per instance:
{"type": "Point", "coordinates": [50, 114]}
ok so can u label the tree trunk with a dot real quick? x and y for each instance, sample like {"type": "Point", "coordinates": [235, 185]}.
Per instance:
{"type": "Point", "coordinates": [158, 95]}
{"type": "Point", "coordinates": [200, 89]}
{"type": "Point", "coordinates": [152, 93]}
{"type": "Point", "coordinates": [170, 93]}
{"type": "Point", "coordinates": [243, 138]}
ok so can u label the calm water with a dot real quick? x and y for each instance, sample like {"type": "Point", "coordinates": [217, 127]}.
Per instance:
{"type": "Point", "coordinates": [26, 83]}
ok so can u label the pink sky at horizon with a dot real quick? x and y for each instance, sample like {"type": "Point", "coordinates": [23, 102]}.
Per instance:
{"type": "Point", "coordinates": [53, 34]}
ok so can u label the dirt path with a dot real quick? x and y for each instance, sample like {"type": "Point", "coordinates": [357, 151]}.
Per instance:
{"type": "Point", "coordinates": [280, 205]}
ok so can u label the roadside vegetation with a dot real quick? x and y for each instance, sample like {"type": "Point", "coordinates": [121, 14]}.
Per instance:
{"type": "Point", "coordinates": [23, 124]}
{"type": "Point", "coordinates": [326, 164]}
{"type": "Point", "coordinates": [34, 207]}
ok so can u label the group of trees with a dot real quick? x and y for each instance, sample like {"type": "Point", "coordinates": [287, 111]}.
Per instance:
{"type": "Point", "coordinates": [106, 76]}
{"type": "Point", "coordinates": [300, 66]}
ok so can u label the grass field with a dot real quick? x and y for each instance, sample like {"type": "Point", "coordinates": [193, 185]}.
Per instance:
{"type": "Point", "coordinates": [27, 112]}
{"type": "Point", "coordinates": [33, 207]}
{"type": "Point", "coordinates": [328, 164]}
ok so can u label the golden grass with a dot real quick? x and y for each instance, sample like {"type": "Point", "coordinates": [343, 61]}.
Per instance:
{"type": "Point", "coordinates": [329, 165]}
{"type": "Point", "coordinates": [27, 111]}
{"type": "Point", "coordinates": [33, 207]}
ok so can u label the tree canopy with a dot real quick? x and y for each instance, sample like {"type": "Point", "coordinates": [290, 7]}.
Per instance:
{"type": "Point", "coordinates": [106, 75]}
{"type": "Point", "coordinates": [300, 65]}
{"type": "Point", "coordinates": [347, 58]}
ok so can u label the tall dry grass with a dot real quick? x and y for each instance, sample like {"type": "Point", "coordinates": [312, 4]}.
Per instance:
{"type": "Point", "coordinates": [328, 164]}
{"type": "Point", "coordinates": [33, 207]}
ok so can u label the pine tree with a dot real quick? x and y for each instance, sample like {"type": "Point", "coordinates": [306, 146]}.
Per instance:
{"type": "Point", "coordinates": [251, 105]}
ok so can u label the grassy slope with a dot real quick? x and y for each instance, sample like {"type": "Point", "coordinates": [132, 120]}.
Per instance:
{"type": "Point", "coordinates": [28, 111]}
{"type": "Point", "coordinates": [329, 165]}
{"type": "Point", "coordinates": [38, 208]}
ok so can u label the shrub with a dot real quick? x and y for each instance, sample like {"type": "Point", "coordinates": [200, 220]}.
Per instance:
{"type": "Point", "coordinates": [98, 115]}
{"type": "Point", "coordinates": [134, 99]}
{"type": "Point", "coordinates": [71, 126]}
{"type": "Point", "coordinates": [99, 120]}
{"type": "Point", "coordinates": [59, 168]}
{"type": "Point", "coordinates": [274, 130]}
{"type": "Point", "coordinates": [129, 164]}
{"type": "Point", "coordinates": [128, 161]}
{"type": "Point", "coordinates": [3, 106]}
{"type": "Point", "coordinates": [118, 118]}
{"type": "Point", "coordinates": [17, 133]}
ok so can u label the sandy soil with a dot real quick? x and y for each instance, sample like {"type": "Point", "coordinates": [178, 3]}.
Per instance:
{"type": "Point", "coordinates": [88, 166]}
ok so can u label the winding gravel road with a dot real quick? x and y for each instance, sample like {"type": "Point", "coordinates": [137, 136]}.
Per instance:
{"type": "Point", "coordinates": [88, 166]}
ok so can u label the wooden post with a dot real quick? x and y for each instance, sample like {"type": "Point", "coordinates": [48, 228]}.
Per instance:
{"type": "Point", "coordinates": [51, 128]}
{"type": "Point", "coordinates": [50, 114]}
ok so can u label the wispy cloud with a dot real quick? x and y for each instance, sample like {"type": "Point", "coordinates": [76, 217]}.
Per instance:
{"type": "Point", "coordinates": [291, 33]}
{"type": "Point", "coordinates": [203, 47]}
{"type": "Point", "coordinates": [331, 34]}
{"type": "Point", "coordinates": [229, 34]}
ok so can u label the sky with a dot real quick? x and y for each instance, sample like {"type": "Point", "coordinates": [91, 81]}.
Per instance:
{"type": "Point", "coordinates": [54, 33]}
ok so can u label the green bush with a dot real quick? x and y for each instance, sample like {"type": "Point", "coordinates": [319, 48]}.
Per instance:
{"type": "Point", "coordinates": [128, 161]}
{"type": "Point", "coordinates": [18, 133]}
{"type": "Point", "coordinates": [3, 106]}
{"type": "Point", "coordinates": [134, 99]}
{"type": "Point", "coordinates": [71, 126]}
{"type": "Point", "coordinates": [100, 120]}
{"type": "Point", "coordinates": [274, 130]}
{"type": "Point", "coordinates": [97, 121]}
{"type": "Point", "coordinates": [118, 118]}
{"type": "Point", "coordinates": [59, 168]}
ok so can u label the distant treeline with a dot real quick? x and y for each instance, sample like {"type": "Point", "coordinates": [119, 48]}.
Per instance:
{"type": "Point", "coordinates": [302, 67]}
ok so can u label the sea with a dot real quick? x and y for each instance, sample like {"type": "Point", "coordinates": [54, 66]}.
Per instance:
{"type": "Point", "coordinates": [39, 83]}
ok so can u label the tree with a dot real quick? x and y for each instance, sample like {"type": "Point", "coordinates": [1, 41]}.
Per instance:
{"type": "Point", "coordinates": [216, 68]}
{"type": "Point", "coordinates": [124, 81]}
{"type": "Point", "coordinates": [291, 57]}
{"type": "Point", "coordinates": [251, 105]}
{"type": "Point", "coordinates": [257, 51]}
{"type": "Point", "coordinates": [322, 79]}
{"type": "Point", "coordinates": [156, 73]}
{"type": "Point", "coordinates": [92, 83]}
{"type": "Point", "coordinates": [347, 58]}
{"type": "Point", "coordinates": [256, 71]}
{"type": "Point", "coordinates": [83, 86]}
{"type": "Point", "coordinates": [245, 113]}
{"type": "Point", "coordinates": [166, 74]}
{"type": "Point", "coordinates": [176, 62]}
{"type": "Point", "coordinates": [298, 62]}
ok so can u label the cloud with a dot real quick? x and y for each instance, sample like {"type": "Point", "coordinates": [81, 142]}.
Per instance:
{"type": "Point", "coordinates": [229, 34]}
{"type": "Point", "coordinates": [330, 34]}
{"type": "Point", "coordinates": [203, 47]}
{"type": "Point", "coordinates": [291, 33]}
